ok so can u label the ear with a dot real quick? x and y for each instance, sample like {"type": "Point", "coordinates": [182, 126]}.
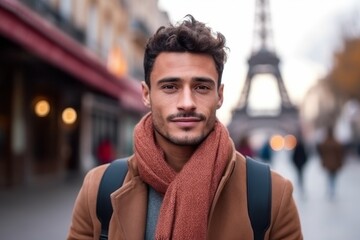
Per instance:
{"type": "Point", "coordinates": [145, 94]}
{"type": "Point", "coordinates": [221, 96]}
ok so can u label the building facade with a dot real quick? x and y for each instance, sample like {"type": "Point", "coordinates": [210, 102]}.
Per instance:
{"type": "Point", "coordinates": [70, 78]}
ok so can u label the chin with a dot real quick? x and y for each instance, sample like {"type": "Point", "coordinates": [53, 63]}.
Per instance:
{"type": "Point", "coordinates": [186, 140]}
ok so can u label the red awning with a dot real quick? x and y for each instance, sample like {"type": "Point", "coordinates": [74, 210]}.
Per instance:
{"type": "Point", "coordinates": [40, 37]}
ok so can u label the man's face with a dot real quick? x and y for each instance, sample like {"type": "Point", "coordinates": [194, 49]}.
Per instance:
{"type": "Point", "coordinates": [184, 97]}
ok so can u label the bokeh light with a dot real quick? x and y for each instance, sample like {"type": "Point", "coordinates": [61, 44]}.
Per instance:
{"type": "Point", "coordinates": [42, 108]}
{"type": "Point", "coordinates": [69, 115]}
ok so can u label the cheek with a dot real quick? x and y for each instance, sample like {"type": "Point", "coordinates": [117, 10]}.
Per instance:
{"type": "Point", "coordinates": [209, 106]}
{"type": "Point", "coordinates": [161, 102]}
{"type": "Point", "coordinates": [160, 108]}
{"type": "Point", "coordinates": [160, 105]}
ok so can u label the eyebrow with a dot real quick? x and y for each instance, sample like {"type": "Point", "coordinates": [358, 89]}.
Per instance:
{"type": "Point", "coordinates": [205, 80]}
{"type": "Point", "coordinates": [168, 80]}
{"type": "Point", "coordinates": [196, 79]}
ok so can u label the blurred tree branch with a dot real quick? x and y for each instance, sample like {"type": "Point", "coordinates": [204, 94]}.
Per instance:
{"type": "Point", "coordinates": [345, 73]}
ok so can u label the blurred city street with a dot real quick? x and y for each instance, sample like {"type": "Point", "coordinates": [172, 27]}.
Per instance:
{"type": "Point", "coordinates": [323, 218]}
{"type": "Point", "coordinates": [44, 212]}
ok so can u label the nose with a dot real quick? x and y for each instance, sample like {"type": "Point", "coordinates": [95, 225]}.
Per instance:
{"type": "Point", "coordinates": [186, 100]}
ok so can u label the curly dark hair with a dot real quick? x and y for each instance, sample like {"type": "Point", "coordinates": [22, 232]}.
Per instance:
{"type": "Point", "coordinates": [188, 36]}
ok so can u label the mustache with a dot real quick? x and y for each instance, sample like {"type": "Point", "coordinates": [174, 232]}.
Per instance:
{"type": "Point", "coordinates": [186, 114]}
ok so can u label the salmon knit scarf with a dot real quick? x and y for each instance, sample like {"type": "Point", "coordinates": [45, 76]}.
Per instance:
{"type": "Point", "coordinates": [189, 193]}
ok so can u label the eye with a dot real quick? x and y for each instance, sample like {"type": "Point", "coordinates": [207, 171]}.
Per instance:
{"type": "Point", "coordinates": [202, 88]}
{"type": "Point", "coordinates": [169, 88]}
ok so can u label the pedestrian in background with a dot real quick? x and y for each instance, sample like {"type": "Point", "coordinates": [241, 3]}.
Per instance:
{"type": "Point", "coordinates": [105, 151]}
{"type": "Point", "coordinates": [299, 158]}
{"type": "Point", "coordinates": [266, 152]}
{"type": "Point", "coordinates": [185, 179]}
{"type": "Point", "coordinates": [332, 155]}
{"type": "Point", "coordinates": [244, 147]}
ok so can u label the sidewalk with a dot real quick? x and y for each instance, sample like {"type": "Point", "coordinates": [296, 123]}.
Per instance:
{"type": "Point", "coordinates": [38, 213]}
{"type": "Point", "coordinates": [321, 217]}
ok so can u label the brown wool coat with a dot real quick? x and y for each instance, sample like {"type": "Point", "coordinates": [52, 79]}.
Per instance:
{"type": "Point", "coordinates": [228, 218]}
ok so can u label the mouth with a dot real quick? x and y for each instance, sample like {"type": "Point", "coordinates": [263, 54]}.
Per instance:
{"type": "Point", "coordinates": [184, 121]}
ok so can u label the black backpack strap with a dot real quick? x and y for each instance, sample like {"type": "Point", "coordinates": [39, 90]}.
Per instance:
{"type": "Point", "coordinates": [112, 179]}
{"type": "Point", "coordinates": [258, 179]}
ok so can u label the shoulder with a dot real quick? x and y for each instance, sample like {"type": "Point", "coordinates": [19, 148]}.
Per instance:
{"type": "Point", "coordinates": [95, 174]}
{"type": "Point", "coordinates": [84, 221]}
{"type": "Point", "coordinates": [280, 185]}
{"type": "Point", "coordinates": [91, 183]}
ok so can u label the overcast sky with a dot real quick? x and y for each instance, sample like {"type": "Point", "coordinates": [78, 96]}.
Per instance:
{"type": "Point", "coordinates": [305, 33]}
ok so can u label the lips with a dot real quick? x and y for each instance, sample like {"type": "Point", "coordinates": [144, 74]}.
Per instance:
{"type": "Point", "coordinates": [186, 121]}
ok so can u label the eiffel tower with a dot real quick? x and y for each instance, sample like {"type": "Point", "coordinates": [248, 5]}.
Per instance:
{"type": "Point", "coordinates": [263, 60]}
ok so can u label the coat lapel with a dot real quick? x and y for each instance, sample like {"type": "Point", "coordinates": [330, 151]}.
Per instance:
{"type": "Point", "coordinates": [130, 208]}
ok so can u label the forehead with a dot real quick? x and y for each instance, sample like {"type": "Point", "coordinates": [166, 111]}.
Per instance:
{"type": "Point", "coordinates": [183, 65]}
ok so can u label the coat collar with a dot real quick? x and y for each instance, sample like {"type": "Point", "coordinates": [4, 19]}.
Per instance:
{"type": "Point", "coordinates": [130, 208]}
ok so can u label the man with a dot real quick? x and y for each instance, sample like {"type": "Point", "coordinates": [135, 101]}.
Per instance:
{"type": "Point", "coordinates": [332, 156]}
{"type": "Point", "coordinates": [184, 161]}
{"type": "Point", "coordinates": [299, 158]}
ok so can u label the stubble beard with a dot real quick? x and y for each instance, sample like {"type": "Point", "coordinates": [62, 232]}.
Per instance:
{"type": "Point", "coordinates": [184, 141]}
